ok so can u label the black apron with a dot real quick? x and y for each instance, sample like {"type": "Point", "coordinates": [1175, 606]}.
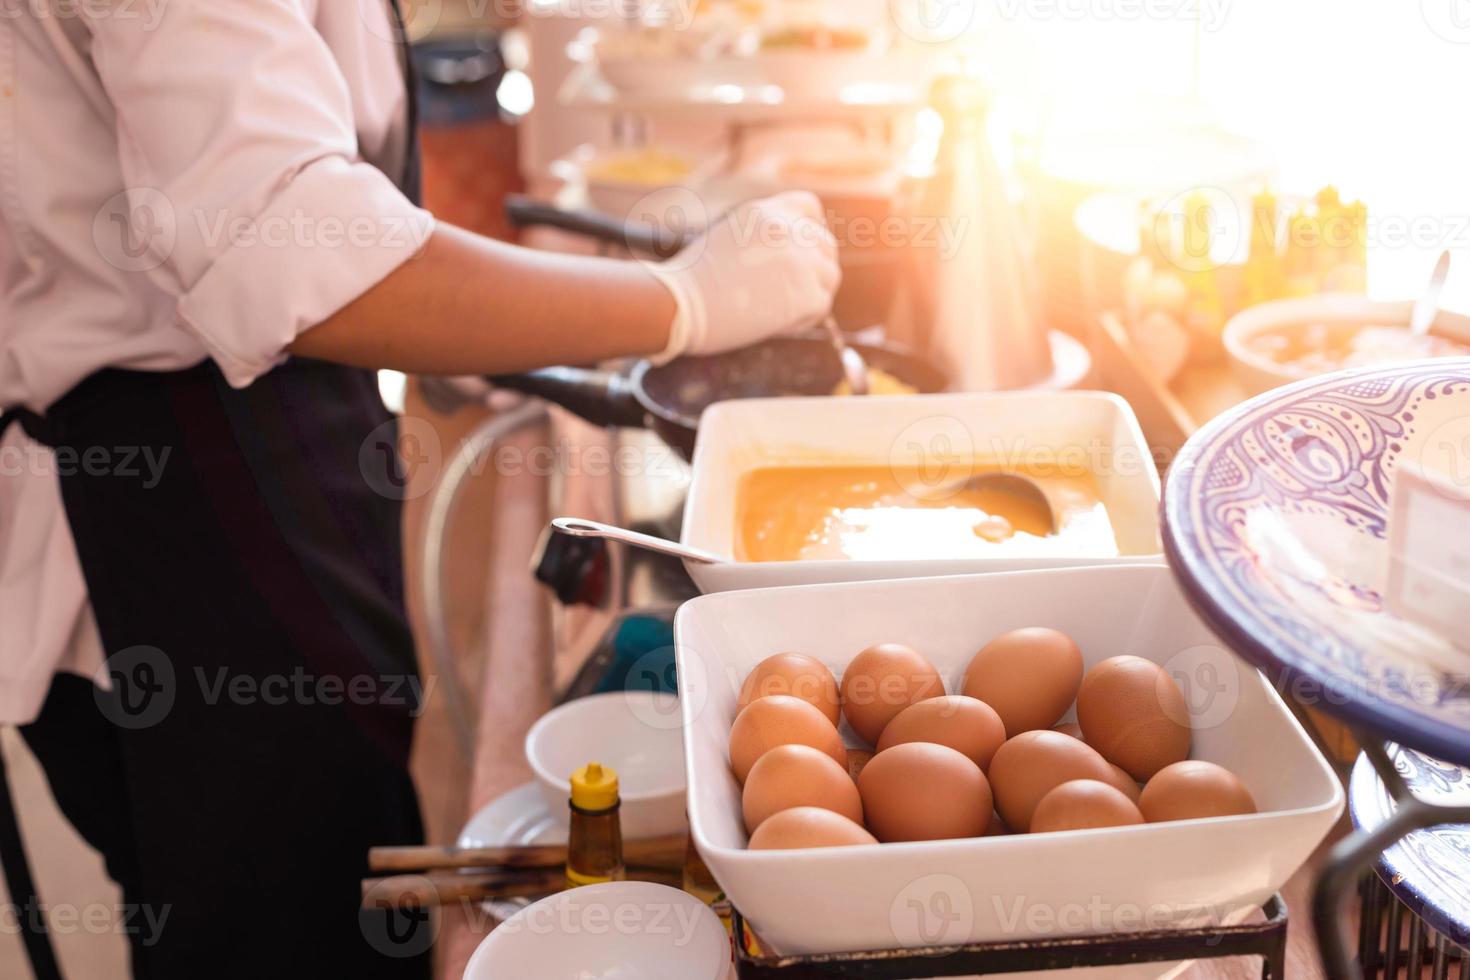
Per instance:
{"type": "Point", "coordinates": [242, 553]}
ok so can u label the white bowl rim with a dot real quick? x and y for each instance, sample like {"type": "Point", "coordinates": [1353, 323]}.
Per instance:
{"type": "Point", "coordinates": [1330, 307]}
{"type": "Point", "coordinates": [676, 785]}
{"type": "Point", "coordinates": [645, 888]}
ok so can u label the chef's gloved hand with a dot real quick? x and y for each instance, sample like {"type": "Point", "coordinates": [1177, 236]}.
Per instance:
{"type": "Point", "coordinates": [767, 267]}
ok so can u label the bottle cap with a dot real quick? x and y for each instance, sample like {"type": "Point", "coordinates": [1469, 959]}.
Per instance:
{"type": "Point", "coordinates": [594, 787]}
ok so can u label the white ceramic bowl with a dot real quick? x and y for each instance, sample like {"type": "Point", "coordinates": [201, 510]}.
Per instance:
{"type": "Point", "coordinates": [1259, 373]}
{"type": "Point", "coordinates": [1000, 888]}
{"type": "Point", "coordinates": [624, 929]}
{"type": "Point", "coordinates": [674, 78]}
{"type": "Point", "coordinates": [1091, 426]}
{"type": "Point", "coordinates": [635, 732]}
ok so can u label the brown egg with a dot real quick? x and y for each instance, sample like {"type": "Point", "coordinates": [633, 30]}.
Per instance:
{"type": "Point", "coordinates": [1194, 788]}
{"type": "Point", "coordinates": [1126, 783]}
{"type": "Point", "coordinates": [807, 826]}
{"type": "Point", "coordinates": [780, 719]}
{"type": "Point", "coordinates": [857, 759]}
{"type": "Point", "coordinates": [922, 791]}
{"type": "Point", "coordinates": [882, 681]}
{"type": "Point", "coordinates": [797, 675]}
{"type": "Point", "coordinates": [1084, 804]}
{"type": "Point", "coordinates": [1029, 676]}
{"type": "Point", "coordinates": [1132, 712]}
{"type": "Point", "coordinates": [1068, 728]}
{"type": "Point", "coordinates": [996, 827]}
{"type": "Point", "coordinates": [1034, 763]}
{"type": "Point", "coordinates": [797, 775]}
{"type": "Point", "coordinates": [970, 727]}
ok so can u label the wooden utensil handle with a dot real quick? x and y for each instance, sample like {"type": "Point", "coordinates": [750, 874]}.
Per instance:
{"type": "Point", "coordinates": [441, 888]}
{"type": "Point", "coordinates": [427, 891]}
{"type": "Point", "coordinates": [656, 851]}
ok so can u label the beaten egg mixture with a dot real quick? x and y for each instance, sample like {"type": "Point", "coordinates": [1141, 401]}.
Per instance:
{"type": "Point", "coordinates": [870, 513]}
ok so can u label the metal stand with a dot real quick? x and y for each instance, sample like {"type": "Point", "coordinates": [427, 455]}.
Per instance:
{"type": "Point", "coordinates": [1266, 939]}
{"type": "Point", "coordinates": [1383, 948]}
{"type": "Point", "coordinates": [1353, 856]}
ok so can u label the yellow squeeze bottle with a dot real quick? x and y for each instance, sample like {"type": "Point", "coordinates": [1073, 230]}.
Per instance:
{"type": "Point", "coordinates": [595, 840]}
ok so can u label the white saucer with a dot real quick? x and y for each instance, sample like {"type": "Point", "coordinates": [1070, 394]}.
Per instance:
{"type": "Point", "coordinates": [519, 816]}
{"type": "Point", "coordinates": [516, 817]}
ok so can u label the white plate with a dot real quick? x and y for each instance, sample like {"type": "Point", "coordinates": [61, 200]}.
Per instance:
{"type": "Point", "coordinates": [1001, 888]}
{"type": "Point", "coordinates": [518, 816]}
{"type": "Point", "coordinates": [906, 431]}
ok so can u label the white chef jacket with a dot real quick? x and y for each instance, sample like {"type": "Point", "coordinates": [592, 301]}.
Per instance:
{"type": "Point", "coordinates": [179, 180]}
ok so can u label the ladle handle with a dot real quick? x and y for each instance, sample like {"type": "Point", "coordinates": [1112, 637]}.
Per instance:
{"type": "Point", "coordinates": [579, 528]}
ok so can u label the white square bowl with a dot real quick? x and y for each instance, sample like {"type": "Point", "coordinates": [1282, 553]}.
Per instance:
{"type": "Point", "coordinates": [1000, 888]}
{"type": "Point", "coordinates": [943, 433]}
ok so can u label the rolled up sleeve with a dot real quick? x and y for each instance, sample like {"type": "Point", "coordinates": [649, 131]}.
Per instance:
{"type": "Point", "coordinates": [237, 139]}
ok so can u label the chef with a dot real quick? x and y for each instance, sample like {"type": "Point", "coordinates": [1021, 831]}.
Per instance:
{"type": "Point", "coordinates": [208, 231]}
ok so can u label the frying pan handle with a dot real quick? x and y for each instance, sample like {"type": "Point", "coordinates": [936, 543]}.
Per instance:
{"type": "Point", "coordinates": [600, 397]}
{"type": "Point", "coordinates": [524, 212]}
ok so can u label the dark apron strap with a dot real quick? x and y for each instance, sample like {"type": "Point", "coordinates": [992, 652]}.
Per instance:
{"type": "Point", "coordinates": [412, 180]}
{"type": "Point", "coordinates": [18, 880]}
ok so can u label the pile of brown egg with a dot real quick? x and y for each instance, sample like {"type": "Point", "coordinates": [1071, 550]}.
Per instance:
{"type": "Point", "coordinates": [991, 760]}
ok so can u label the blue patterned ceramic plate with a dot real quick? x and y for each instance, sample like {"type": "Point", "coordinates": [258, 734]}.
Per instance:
{"type": "Point", "coordinates": [1429, 870]}
{"type": "Point", "coordinates": [1275, 520]}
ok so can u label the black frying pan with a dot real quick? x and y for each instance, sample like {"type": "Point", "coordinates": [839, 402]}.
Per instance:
{"type": "Point", "coordinates": [670, 398]}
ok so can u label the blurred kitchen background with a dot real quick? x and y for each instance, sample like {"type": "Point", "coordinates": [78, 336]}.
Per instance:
{"type": "Point", "coordinates": [1068, 131]}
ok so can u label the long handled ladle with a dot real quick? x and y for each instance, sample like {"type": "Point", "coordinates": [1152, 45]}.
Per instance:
{"type": "Point", "coordinates": [579, 528]}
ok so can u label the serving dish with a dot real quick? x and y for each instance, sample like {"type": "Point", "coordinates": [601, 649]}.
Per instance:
{"type": "Point", "coordinates": [1259, 373]}
{"type": "Point", "coordinates": [1276, 521]}
{"type": "Point", "coordinates": [944, 433]}
{"type": "Point", "coordinates": [635, 732]}
{"type": "Point", "coordinates": [1000, 888]}
{"type": "Point", "coordinates": [620, 929]}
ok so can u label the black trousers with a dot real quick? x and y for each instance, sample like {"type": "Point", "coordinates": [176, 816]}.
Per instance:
{"type": "Point", "coordinates": [242, 553]}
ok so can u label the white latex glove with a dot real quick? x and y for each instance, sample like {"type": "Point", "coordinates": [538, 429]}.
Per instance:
{"type": "Point", "coordinates": [765, 268]}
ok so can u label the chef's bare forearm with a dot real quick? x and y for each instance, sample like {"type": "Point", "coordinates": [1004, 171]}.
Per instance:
{"type": "Point", "coordinates": [471, 305]}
